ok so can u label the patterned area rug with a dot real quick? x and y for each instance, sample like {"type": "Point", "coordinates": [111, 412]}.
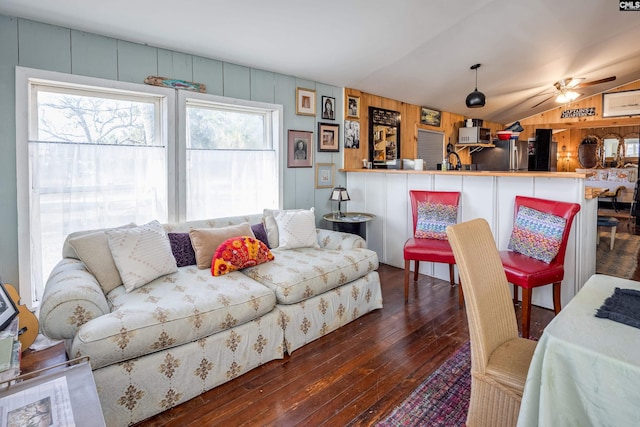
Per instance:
{"type": "Point", "coordinates": [442, 399]}
{"type": "Point", "coordinates": [622, 261]}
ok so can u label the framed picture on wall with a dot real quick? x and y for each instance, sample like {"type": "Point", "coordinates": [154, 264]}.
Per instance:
{"type": "Point", "coordinates": [305, 101]}
{"type": "Point", "coordinates": [328, 137]}
{"type": "Point", "coordinates": [325, 173]}
{"type": "Point", "coordinates": [430, 117]}
{"type": "Point", "coordinates": [328, 108]}
{"type": "Point", "coordinates": [300, 149]}
{"type": "Point", "coordinates": [353, 107]}
{"type": "Point", "coordinates": [625, 103]}
{"type": "Point", "coordinates": [351, 134]}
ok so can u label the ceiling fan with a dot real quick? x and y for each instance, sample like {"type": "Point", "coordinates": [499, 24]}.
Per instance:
{"type": "Point", "coordinates": [565, 89]}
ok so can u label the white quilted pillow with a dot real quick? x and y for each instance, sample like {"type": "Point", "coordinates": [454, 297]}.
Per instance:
{"type": "Point", "coordinates": [141, 254]}
{"type": "Point", "coordinates": [296, 229]}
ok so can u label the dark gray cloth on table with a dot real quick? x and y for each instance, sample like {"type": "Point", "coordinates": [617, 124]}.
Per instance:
{"type": "Point", "coordinates": [623, 306]}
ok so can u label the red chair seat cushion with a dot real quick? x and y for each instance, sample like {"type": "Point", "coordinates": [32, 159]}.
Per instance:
{"type": "Point", "coordinates": [529, 272]}
{"type": "Point", "coordinates": [431, 250]}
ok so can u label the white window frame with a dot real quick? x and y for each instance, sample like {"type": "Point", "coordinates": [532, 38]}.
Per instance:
{"type": "Point", "coordinates": [173, 127]}
{"type": "Point", "coordinates": [274, 126]}
{"type": "Point", "coordinates": [25, 77]}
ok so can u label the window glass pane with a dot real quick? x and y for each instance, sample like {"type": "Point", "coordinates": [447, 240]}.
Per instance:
{"type": "Point", "coordinates": [232, 167]}
{"type": "Point", "coordinates": [94, 120]}
{"type": "Point", "coordinates": [215, 128]}
{"type": "Point", "coordinates": [95, 162]}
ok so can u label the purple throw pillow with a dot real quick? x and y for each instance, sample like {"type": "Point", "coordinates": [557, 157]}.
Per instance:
{"type": "Point", "coordinates": [260, 233]}
{"type": "Point", "coordinates": [182, 249]}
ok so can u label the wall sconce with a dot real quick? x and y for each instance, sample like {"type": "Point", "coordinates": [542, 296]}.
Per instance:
{"type": "Point", "coordinates": [339, 194]}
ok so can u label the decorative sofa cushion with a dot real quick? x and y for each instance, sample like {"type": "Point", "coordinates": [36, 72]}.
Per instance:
{"type": "Point", "coordinates": [238, 253]}
{"type": "Point", "coordinates": [622, 175]}
{"type": "Point", "coordinates": [297, 229]}
{"type": "Point", "coordinates": [433, 219]}
{"type": "Point", "coordinates": [260, 233]}
{"type": "Point", "coordinates": [271, 226]}
{"type": "Point", "coordinates": [94, 252]}
{"type": "Point", "coordinates": [141, 254]}
{"type": "Point", "coordinates": [182, 249]}
{"type": "Point", "coordinates": [537, 234]}
{"type": "Point", "coordinates": [205, 241]}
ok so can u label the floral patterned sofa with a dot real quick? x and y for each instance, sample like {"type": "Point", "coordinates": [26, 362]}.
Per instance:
{"type": "Point", "coordinates": [161, 343]}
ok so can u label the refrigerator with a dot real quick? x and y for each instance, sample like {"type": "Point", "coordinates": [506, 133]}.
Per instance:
{"type": "Point", "coordinates": [508, 155]}
{"type": "Point", "coordinates": [543, 152]}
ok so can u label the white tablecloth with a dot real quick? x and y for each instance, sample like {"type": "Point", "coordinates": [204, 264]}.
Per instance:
{"type": "Point", "coordinates": [585, 370]}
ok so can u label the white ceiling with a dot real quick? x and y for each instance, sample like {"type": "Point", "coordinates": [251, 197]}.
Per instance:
{"type": "Point", "coordinates": [415, 51]}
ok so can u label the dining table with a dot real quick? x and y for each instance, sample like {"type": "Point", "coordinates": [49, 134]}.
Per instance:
{"type": "Point", "coordinates": [585, 370]}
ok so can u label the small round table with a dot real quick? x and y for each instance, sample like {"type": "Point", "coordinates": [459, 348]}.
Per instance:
{"type": "Point", "coordinates": [350, 222]}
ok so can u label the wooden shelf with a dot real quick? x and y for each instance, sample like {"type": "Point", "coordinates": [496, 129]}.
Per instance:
{"type": "Point", "coordinates": [472, 147]}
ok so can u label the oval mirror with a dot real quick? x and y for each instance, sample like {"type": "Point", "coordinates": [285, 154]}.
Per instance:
{"type": "Point", "coordinates": [614, 150]}
{"type": "Point", "coordinates": [588, 151]}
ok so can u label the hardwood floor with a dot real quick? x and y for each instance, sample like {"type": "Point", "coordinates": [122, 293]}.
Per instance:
{"type": "Point", "coordinates": [353, 376]}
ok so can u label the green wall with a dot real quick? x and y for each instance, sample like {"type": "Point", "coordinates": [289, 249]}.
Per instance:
{"type": "Point", "coordinates": [37, 45]}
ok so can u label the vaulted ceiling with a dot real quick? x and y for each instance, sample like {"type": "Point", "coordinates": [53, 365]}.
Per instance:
{"type": "Point", "coordinates": [415, 51]}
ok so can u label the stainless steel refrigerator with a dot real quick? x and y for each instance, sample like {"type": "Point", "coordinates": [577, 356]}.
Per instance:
{"type": "Point", "coordinates": [508, 155]}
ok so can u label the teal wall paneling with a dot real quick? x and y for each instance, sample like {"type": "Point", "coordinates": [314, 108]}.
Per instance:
{"type": "Point", "coordinates": [136, 62]}
{"type": "Point", "coordinates": [44, 46]}
{"type": "Point", "coordinates": [48, 47]}
{"type": "Point", "coordinates": [262, 86]}
{"type": "Point", "coordinates": [94, 56]}
{"type": "Point", "coordinates": [208, 72]}
{"type": "Point", "coordinates": [236, 81]}
{"type": "Point", "coordinates": [175, 65]}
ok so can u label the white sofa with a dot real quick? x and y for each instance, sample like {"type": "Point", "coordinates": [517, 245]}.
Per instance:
{"type": "Point", "coordinates": [186, 332]}
{"type": "Point", "coordinates": [612, 178]}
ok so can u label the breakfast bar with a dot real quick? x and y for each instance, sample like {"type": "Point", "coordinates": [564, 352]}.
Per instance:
{"type": "Point", "coordinates": [490, 195]}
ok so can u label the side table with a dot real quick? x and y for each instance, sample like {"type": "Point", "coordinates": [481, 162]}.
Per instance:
{"type": "Point", "coordinates": [350, 222]}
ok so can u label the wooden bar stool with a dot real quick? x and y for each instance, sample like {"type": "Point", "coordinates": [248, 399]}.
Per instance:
{"type": "Point", "coordinates": [608, 221]}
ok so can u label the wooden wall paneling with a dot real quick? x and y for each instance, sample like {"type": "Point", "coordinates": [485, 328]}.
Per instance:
{"type": "Point", "coordinates": [175, 65]}
{"type": "Point", "coordinates": [136, 62]}
{"type": "Point", "coordinates": [44, 46]}
{"type": "Point", "coordinates": [209, 72]}
{"type": "Point", "coordinates": [237, 81]}
{"type": "Point", "coordinates": [94, 56]}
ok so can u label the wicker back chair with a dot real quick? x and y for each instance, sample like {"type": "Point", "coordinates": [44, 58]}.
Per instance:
{"type": "Point", "coordinates": [499, 357]}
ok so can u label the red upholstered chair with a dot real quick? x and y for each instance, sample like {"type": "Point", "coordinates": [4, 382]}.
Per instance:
{"type": "Point", "coordinates": [430, 249]}
{"type": "Point", "coordinates": [527, 272]}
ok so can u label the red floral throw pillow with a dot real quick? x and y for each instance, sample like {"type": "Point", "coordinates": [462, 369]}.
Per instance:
{"type": "Point", "coordinates": [237, 253]}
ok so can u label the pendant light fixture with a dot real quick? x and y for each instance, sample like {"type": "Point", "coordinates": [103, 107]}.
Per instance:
{"type": "Point", "coordinates": [475, 99]}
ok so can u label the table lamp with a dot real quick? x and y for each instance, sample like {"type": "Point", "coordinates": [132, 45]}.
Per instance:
{"type": "Point", "coordinates": [339, 194]}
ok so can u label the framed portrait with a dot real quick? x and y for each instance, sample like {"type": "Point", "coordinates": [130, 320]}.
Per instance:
{"type": "Point", "coordinates": [625, 103]}
{"type": "Point", "coordinates": [328, 108]}
{"type": "Point", "coordinates": [305, 102]}
{"type": "Point", "coordinates": [325, 172]}
{"type": "Point", "coordinates": [353, 107]}
{"type": "Point", "coordinates": [351, 134]}
{"type": "Point", "coordinates": [430, 117]}
{"type": "Point", "coordinates": [300, 149]}
{"type": "Point", "coordinates": [8, 309]}
{"type": "Point", "coordinates": [328, 137]}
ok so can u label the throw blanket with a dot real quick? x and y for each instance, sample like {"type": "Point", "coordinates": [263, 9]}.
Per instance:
{"type": "Point", "coordinates": [623, 306]}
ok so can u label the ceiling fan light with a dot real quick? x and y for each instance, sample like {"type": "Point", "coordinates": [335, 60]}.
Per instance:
{"type": "Point", "coordinates": [475, 99]}
{"type": "Point", "coordinates": [567, 96]}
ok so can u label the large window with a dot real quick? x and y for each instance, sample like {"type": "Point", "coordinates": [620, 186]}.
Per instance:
{"type": "Point", "coordinates": [94, 154]}
{"type": "Point", "coordinates": [231, 156]}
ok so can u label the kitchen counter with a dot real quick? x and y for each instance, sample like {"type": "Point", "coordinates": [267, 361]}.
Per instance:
{"type": "Point", "coordinates": [473, 172]}
{"type": "Point", "coordinates": [490, 195]}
